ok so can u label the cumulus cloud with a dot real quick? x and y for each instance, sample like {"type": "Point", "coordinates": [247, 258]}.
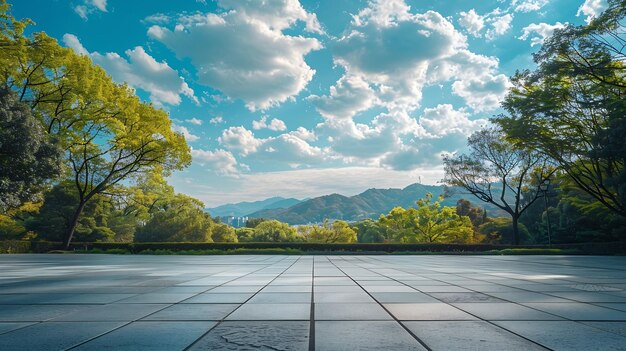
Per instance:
{"type": "Point", "coordinates": [288, 148]}
{"type": "Point", "coordinates": [304, 134]}
{"type": "Point", "coordinates": [222, 162]}
{"type": "Point", "coordinates": [140, 70]}
{"type": "Point", "coordinates": [90, 6]}
{"type": "Point", "coordinates": [528, 5]}
{"type": "Point", "coordinates": [275, 124]}
{"type": "Point", "coordinates": [194, 121]}
{"type": "Point", "coordinates": [500, 25]}
{"type": "Point", "coordinates": [539, 32]}
{"type": "Point", "coordinates": [239, 139]}
{"type": "Point", "coordinates": [592, 9]}
{"type": "Point", "coordinates": [472, 22]}
{"type": "Point", "coordinates": [350, 95]}
{"type": "Point", "coordinates": [185, 132]}
{"type": "Point", "coordinates": [445, 120]}
{"type": "Point", "coordinates": [256, 62]}
{"type": "Point", "coordinates": [389, 55]}
{"type": "Point", "coordinates": [482, 93]}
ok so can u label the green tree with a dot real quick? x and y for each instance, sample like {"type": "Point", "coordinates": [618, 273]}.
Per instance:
{"type": "Point", "coordinates": [182, 220]}
{"type": "Point", "coordinates": [429, 222]}
{"type": "Point", "coordinates": [107, 133]}
{"type": "Point", "coordinates": [500, 231]}
{"type": "Point", "coordinates": [253, 222]}
{"type": "Point", "coordinates": [275, 231]}
{"type": "Point", "coordinates": [223, 233]}
{"type": "Point", "coordinates": [29, 159]}
{"type": "Point", "coordinates": [572, 108]}
{"type": "Point", "coordinates": [369, 231]}
{"type": "Point", "coordinates": [58, 209]}
{"type": "Point", "coordinates": [245, 234]}
{"type": "Point", "coordinates": [329, 233]}
{"type": "Point", "coordinates": [499, 173]}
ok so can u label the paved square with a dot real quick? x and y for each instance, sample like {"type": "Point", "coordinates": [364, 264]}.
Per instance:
{"type": "Point", "coordinates": [111, 302]}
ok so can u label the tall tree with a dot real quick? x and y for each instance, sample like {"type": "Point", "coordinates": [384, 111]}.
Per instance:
{"type": "Point", "coordinates": [107, 133]}
{"type": "Point", "coordinates": [572, 108]}
{"type": "Point", "coordinates": [499, 173]}
{"type": "Point", "coordinates": [29, 159]}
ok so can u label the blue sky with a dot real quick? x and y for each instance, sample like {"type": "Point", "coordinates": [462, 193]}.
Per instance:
{"type": "Point", "coordinates": [305, 98]}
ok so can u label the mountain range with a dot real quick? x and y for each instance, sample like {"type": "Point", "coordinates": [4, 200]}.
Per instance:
{"type": "Point", "coordinates": [242, 209]}
{"type": "Point", "coordinates": [369, 204]}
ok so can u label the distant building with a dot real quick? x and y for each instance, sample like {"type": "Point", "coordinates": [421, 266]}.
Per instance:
{"type": "Point", "coordinates": [234, 221]}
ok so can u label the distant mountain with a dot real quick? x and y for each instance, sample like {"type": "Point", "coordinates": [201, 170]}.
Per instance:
{"type": "Point", "coordinates": [243, 208]}
{"type": "Point", "coordinates": [369, 204]}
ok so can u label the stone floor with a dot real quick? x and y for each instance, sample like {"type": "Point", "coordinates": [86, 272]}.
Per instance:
{"type": "Point", "coordinates": [103, 302]}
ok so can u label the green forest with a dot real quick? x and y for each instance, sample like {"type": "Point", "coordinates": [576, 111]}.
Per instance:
{"type": "Point", "coordinates": [83, 159]}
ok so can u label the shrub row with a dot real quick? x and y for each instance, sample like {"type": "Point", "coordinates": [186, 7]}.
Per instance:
{"type": "Point", "coordinates": [265, 247]}
{"type": "Point", "coordinates": [14, 246]}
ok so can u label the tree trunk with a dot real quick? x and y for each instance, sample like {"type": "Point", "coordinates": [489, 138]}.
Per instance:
{"type": "Point", "coordinates": [515, 230]}
{"type": "Point", "coordinates": [72, 227]}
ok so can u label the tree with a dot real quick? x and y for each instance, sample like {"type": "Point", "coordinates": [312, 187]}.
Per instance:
{"type": "Point", "coordinates": [275, 231]}
{"type": "Point", "coordinates": [429, 222]}
{"type": "Point", "coordinates": [337, 232]}
{"type": "Point", "coordinates": [499, 173]}
{"type": "Point", "coordinates": [182, 220]}
{"type": "Point", "coordinates": [107, 133]}
{"type": "Point", "coordinates": [369, 231]}
{"type": "Point", "coordinates": [500, 231]}
{"type": "Point", "coordinates": [29, 158]}
{"type": "Point", "coordinates": [573, 107]}
{"type": "Point", "coordinates": [253, 222]}
{"type": "Point", "coordinates": [223, 233]}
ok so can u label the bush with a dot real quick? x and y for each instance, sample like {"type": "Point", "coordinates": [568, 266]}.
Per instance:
{"type": "Point", "coordinates": [14, 246]}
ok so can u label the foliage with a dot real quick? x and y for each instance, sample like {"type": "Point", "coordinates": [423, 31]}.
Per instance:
{"type": "Point", "coordinates": [182, 219]}
{"type": "Point", "coordinates": [275, 231]}
{"type": "Point", "coordinates": [29, 158]}
{"type": "Point", "coordinates": [253, 222]}
{"type": "Point", "coordinates": [107, 133]}
{"type": "Point", "coordinates": [500, 231]}
{"type": "Point", "coordinates": [429, 222]}
{"type": "Point", "coordinates": [244, 234]}
{"type": "Point", "coordinates": [369, 231]}
{"type": "Point", "coordinates": [222, 233]}
{"type": "Point", "coordinates": [58, 209]}
{"type": "Point", "coordinates": [337, 232]}
{"type": "Point", "coordinates": [572, 108]}
{"type": "Point", "coordinates": [499, 173]}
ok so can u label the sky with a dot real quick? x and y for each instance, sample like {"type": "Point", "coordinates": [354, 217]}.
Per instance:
{"type": "Point", "coordinates": [307, 98]}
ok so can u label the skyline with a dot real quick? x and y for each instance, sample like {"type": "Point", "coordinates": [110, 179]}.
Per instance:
{"type": "Point", "coordinates": [303, 100]}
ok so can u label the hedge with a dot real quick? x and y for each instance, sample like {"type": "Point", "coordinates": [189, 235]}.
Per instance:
{"type": "Point", "coordinates": [14, 246]}
{"type": "Point", "coordinates": [582, 248]}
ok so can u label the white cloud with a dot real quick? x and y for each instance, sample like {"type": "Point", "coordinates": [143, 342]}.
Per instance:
{"type": "Point", "coordinates": [528, 5]}
{"type": "Point", "coordinates": [221, 161]}
{"type": "Point", "coordinates": [539, 32]}
{"type": "Point", "coordinates": [444, 120]}
{"type": "Point", "coordinates": [304, 134]}
{"type": "Point", "coordinates": [500, 25]}
{"type": "Point", "coordinates": [275, 124]}
{"type": "Point", "coordinates": [194, 121]}
{"type": "Point", "coordinates": [350, 95]}
{"type": "Point", "coordinates": [239, 139]}
{"type": "Point", "coordinates": [472, 22]}
{"type": "Point", "coordinates": [592, 9]}
{"type": "Point", "coordinates": [256, 62]}
{"type": "Point", "coordinates": [72, 41]}
{"type": "Point", "coordinates": [90, 6]}
{"type": "Point", "coordinates": [142, 71]}
{"type": "Point", "coordinates": [216, 120]}
{"type": "Point", "coordinates": [482, 93]}
{"type": "Point", "coordinates": [185, 132]}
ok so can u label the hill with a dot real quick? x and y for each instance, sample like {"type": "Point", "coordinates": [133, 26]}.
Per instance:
{"type": "Point", "coordinates": [369, 204]}
{"type": "Point", "coordinates": [243, 208]}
